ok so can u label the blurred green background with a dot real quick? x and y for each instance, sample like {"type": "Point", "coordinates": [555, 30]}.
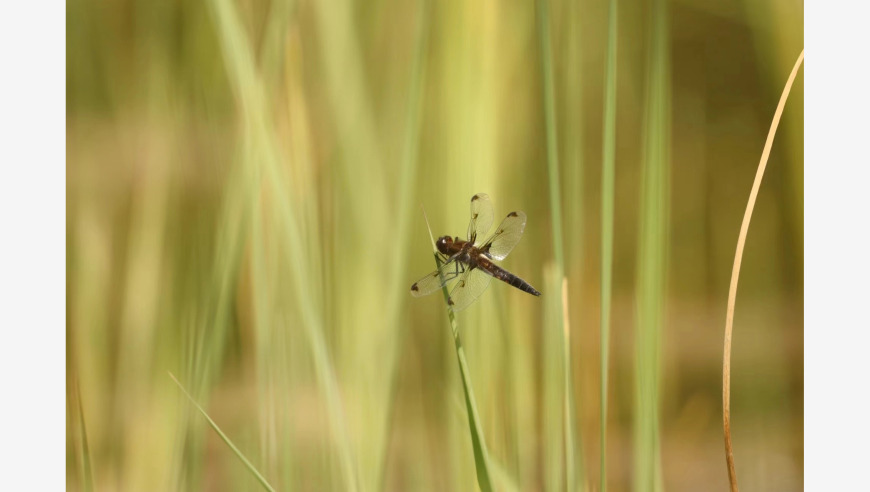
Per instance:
{"type": "Point", "coordinates": [244, 190]}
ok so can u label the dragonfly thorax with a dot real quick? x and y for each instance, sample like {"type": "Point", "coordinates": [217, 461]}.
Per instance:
{"type": "Point", "coordinates": [443, 244]}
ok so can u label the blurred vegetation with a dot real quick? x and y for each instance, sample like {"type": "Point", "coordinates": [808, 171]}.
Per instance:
{"type": "Point", "coordinates": [244, 185]}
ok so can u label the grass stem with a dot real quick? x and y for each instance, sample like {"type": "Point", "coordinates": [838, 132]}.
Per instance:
{"type": "Point", "coordinates": [608, 176]}
{"type": "Point", "coordinates": [260, 478]}
{"type": "Point", "coordinates": [651, 279]}
{"type": "Point", "coordinates": [481, 456]}
{"type": "Point", "coordinates": [85, 465]}
{"type": "Point", "coordinates": [735, 274]}
{"type": "Point", "coordinates": [546, 56]}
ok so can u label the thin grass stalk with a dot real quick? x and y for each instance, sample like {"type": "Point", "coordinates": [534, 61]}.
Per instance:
{"type": "Point", "coordinates": [234, 218]}
{"type": "Point", "coordinates": [312, 323]}
{"type": "Point", "coordinates": [363, 218]}
{"type": "Point", "coordinates": [552, 405]}
{"type": "Point", "coordinates": [568, 399]}
{"type": "Point", "coordinates": [735, 274]}
{"type": "Point", "coordinates": [346, 88]}
{"type": "Point", "coordinates": [478, 443]}
{"type": "Point", "coordinates": [260, 478]}
{"type": "Point", "coordinates": [574, 201]}
{"type": "Point", "coordinates": [281, 14]}
{"type": "Point", "coordinates": [312, 316]}
{"type": "Point", "coordinates": [652, 254]}
{"type": "Point", "coordinates": [546, 56]}
{"type": "Point", "coordinates": [209, 333]}
{"type": "Point", "coordinates": [293, 179]}
{"type": "Point", "coordinates": [264, 152]}
{"type": "Point", "coordinates": [503, 479]}
{"type": "Point", "coordinates": [87, 475]}
{"type": "Point", "coordinates": [407, 176]}
{"type": "Point", "coordinates": [574, 179]}
{"type": "Point", "coordinates": [265, 343]}
{"type": "Point", "coordinates": [608, 177]}
{"type": "Point", "coordinates": [481, 456]}
{"type": "Point", "coordinates": [574, 183]}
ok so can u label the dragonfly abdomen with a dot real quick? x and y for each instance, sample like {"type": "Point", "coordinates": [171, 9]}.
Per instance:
{"type": "Point", "coordinates": [512, 280]}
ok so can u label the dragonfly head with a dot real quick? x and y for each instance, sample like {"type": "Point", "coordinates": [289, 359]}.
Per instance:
{"type": "Point", "coordinates": [443, 244]}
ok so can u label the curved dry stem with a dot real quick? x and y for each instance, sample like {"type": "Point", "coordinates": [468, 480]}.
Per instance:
{"type": "Point", "coordinates": [735, 273]}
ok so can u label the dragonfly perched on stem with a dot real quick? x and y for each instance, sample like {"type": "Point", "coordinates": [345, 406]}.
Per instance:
{"type": "Point", "coordinates": [472, 261]}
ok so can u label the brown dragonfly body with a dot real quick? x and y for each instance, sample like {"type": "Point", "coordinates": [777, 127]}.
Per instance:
{"type": "Point", "coordinates": [473, 261]}
{"type": "Point", "coordinates": [477, 258]}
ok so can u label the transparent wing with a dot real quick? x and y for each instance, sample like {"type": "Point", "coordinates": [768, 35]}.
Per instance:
{"type": "Point", "coordinates": [481, 218]}
{"type": "Point", "coordinates": [469, 287]}
{"type": "Point", "coordinates": [506, 236]}
{"type": "Point", "coordinates": [437, 279]}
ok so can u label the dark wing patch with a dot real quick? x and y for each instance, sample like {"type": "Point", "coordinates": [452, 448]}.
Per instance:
{"type": "Point", "coordinates": [481, 218]}
{"type": "Point", "coordinates": [437, 279]}
{"type": "Point", "coordinates": [469, 287]}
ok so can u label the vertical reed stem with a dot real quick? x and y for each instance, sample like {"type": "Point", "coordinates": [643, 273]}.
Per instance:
{"type": "Point", "coordinates": [608, 174]}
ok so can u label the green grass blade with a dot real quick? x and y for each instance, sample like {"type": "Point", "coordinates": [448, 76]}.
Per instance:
{"type": "Point", "coordinates": [263, 156]}
{"type": "Point", "coordinates": [501, 478]}
{"type": "Point", "coordinates": [226, 439]}
{"type": "Point", "coordinates": [282, 13]}
{"type": "Point", "coordinates": [407, 175]}
{"type": "Point", "coordinates": [573, 159]}
{"type": "Point", "coordinates": [552, 385]}
{"type": "Point", "coordinates": [568, 397]}
{"type": "Point", "coordinates": [608, 176]}
{"type": "Point", "coordinates": [652, 256]}
{"type": "Point", "coordinates": [546, 56]}
{"type": "Point", "coordinates": [478, 443]}
{"type": "Point", "coordinates": [552, 140]}
{"type": "Point", "coordinates": [481, 457]}
{"type": "Point", "coordinates": [87, 475]}
{"type": "Point", "coordinates": [504, 481]}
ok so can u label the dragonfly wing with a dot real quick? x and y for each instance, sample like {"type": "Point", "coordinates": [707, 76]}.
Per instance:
{"type": "Point", "coordinates": [469, 287]}
{"type": "Point", "coordinates": [481, 218]}
{"type": "Point", "coordinates": [437, 279]}
{"type": "Point", "coordinates": [506, 236]}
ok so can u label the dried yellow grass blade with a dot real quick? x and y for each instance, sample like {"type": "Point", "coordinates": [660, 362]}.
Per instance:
{"type": "Point", "coordinates": [735, 273]}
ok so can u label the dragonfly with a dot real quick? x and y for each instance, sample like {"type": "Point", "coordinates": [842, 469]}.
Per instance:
{"type": "Point", "coordinates": [472, 261]}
